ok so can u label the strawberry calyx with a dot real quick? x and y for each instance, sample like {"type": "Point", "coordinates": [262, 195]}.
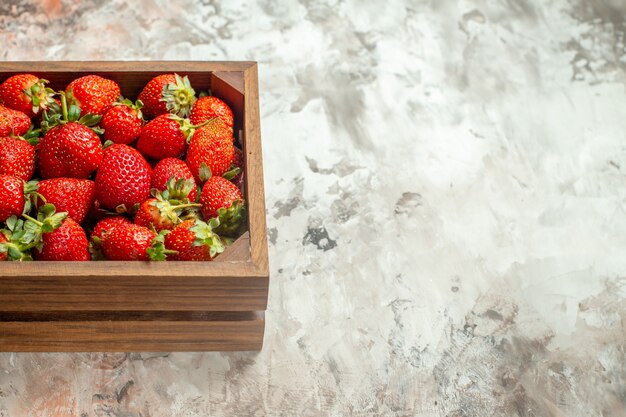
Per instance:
{"type": "Point", "coordinates": [231, 218]}
{"type": "Point", "coordinates": [47, 219]}
{"type": "Point", "coordinates": [63, 114]}
{"type": "Point", "coordinates": [95, 249]}
{"type": "Point", "coordinates": [173, 203]}
{"type": "Point", "coordinates": [232, 173]}
{"type": "Point", "coordinates": [176, 190]}
{"type": "Point", "coordinates": [204, 172]}
{"type": "Point", "coordinates": [30, 194]}
{"type": "Point", "coordinates": [18, 242]}
{"type": "Point", "coordinates": [157, 250]}
{"type": "Point", "coordinates": [187, 128]}
{"type": "Point", "coordinates": [205, 235]}
{"type": "Point", "coordinates": [24, 235]}
{"type": "Point", "coordinates": [40, 96]}
{"type": "Point", "coordinates": [32, 135]}
{"type": "Point", "coordinates": [136, 106]}
{"type": "Point", "coordinates": [179, 96]}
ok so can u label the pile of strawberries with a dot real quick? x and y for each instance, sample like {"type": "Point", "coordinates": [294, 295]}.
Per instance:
{"type": "Point", "coordinates": [155, 179]}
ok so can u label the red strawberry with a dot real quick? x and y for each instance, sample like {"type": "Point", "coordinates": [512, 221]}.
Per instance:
{"type": "Point", "coordinates": [167, 93]}
{"type": "Point", "coordinates": [12, 198]}
{"type": "Point", "coordinates": [66, 243]}
{"type": "Point", "coordinates": [172, 168]}
{"type": "Point", "coordinates": [13, 121]}
{"type": "Point", "coordinates": [17, 158]}
{"type": "Point", "coordinates": [122, 123]}
{"type": "Point", "coordinates": [164, 137]}
{"type": "Point", "coordinates": [211, 145]}
{"type": "Point", "coordinates": [222, 199]}
{"type": "Point", "coordinates": [209, 107]}
{"type": "Point", "coordinates": [133, 243]}
{"type": "Point", "coordinates": [123, 178]}
{"type": "Point", "coordinates": [107, 225]}
{"type": "Point", "coordinates": [69, 150]}
{"type": "Point", "coordinates": [69, 195]}
{"type": "Point", "coordinates": [26, 93]}
{"type": "Point", "coordinates": [93, 94]}
{"type": "Point", "coordinates": [194, 240]}
{"type": "Point", "coordinates": [101, 230]}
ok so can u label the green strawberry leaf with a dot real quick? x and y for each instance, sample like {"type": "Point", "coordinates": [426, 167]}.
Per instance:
{"type": "Point", "coordinates": [11, 222]}
{"type": "Point", "coordinates": [157, 250]}
{"type": "Point", "coordinates": [204, 172]}
{"type": "Point", "coordinates": [206, 236]}
{"type": "Point", "coordinates": [232, 173]}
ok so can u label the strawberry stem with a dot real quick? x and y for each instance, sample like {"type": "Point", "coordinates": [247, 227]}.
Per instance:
{"type": "Point", "coordinates": [64, 106]}
{"type": "Point", "coordinates": [37, 222]}
{"type": "Point", "coordinates": [204, 123]}
{"type": "Point", "coordinates": [181, 206]}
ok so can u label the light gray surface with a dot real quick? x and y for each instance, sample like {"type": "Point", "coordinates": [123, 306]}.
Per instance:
{"type": "Point", "coordinates": [446, 185]}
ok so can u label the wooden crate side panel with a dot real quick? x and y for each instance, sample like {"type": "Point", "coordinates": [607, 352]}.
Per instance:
{"type": "Point", "coordinates": [255, 194]}
{"type": "Point", "coordinates": [132, 336]}
{"type": "Point", "coordinates": [129, 293]}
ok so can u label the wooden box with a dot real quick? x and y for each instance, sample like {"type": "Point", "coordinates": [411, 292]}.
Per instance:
{"type": "Point", "coordinates": [148, 306]}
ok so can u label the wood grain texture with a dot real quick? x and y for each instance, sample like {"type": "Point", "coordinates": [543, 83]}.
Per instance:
{"type": "Point", "coordinates": [240, 249]}
{"type": "Point", "coordinates": [133, 335]}
{"type": "Point", "coordinates": [236, 282]}
{"type": "Point", "coordinates": [131, 292]}
{"type": "Point", "coordinates": [229, 86]}
{"type": "Point", "coordinates": [255, 195]}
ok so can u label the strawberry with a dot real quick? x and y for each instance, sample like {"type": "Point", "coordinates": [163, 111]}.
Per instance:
{"type": "Point", "coordinates": [93, 94]}
{"type": "Point", "coordinates": [122, 123]}
{"type": "Point", "coordinates": [12, 197]}
{"type": "Point", "coordinates": [194, 240]}
{"type": "Point", "coordinates": [13, 121]}
{"type": "Point", "coordinates": [106, 226]}
{"type": "Point", "coordinates": [168, 208]}
{"type": "Point", "coordinates": [222, 199]}
{"type": "Point", "coordinates": [17, 158]}
{"type": "Point", "coordinates": [123, 179]}
{"type": "Point", "coordinates": [211, 145]}
{"type": "Point", "coordinates": [210, 107]}
{"type": "Point", "coordinates": [69, 195]}
{"type": "Point", "coordinates": [101, 230]}
{"type": "Point", "coordinates": [133, 243]}
{"type": "Point", "coordinates": [167, 93]}
{"type": "Point", "coordinates": [66, 243]}
{"type": "Point", "coordinates": [26, 93]}
{"type": "Point", "coordinates": [69, 150]}
{"type": "Point", "coordinates": [164, 137]}
{"type": "Point", "coordinates": [169, 168]}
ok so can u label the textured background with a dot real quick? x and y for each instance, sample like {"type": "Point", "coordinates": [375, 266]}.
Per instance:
{"type": "Point", "coordinates": [446, 193]}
